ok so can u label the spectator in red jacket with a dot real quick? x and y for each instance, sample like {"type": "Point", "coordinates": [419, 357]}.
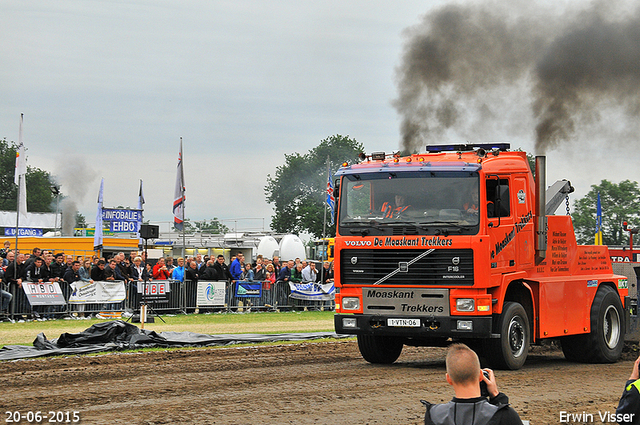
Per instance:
{"type": "Point", "coordinates": [160, 270]}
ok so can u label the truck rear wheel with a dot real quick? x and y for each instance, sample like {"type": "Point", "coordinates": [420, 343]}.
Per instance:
{"type": "Point", "coordinates": [511, 350]}
{"type": "Point", "coordinates": [605, 342]}
{"type": "Point", "coordinates": [379, 349]}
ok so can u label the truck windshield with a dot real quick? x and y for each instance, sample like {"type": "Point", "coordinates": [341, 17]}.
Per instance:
{"type": "Point", "coordinates": [427, 202]}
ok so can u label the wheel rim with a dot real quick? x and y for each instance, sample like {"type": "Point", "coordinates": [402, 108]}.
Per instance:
{"type": "Point", "coordinates": [516, 336]}
{"type": "Point", "coordinates": [611, 328]}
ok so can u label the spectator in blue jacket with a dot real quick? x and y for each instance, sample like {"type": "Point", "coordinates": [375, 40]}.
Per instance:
{"type": "Point", "coordinates": [285, 272]}
{"type": "Point", "coordinates": [178, 272]}
{"type": "Point", "coordinates": [236, 267]}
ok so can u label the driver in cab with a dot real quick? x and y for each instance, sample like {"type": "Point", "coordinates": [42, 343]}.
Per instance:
{"type": "Point", "coordinates": [471, 206]}
{"type": "Point", "coordinates": [394, 211]}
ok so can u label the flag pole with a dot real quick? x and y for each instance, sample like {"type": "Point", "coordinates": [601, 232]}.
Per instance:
{"type": "Point", "coordinates": [183, 201]}
{"type": "Point", "coordinates": [324, 227]}
{"type": "Point", "coordinates": [19, 180]}
{"type": "Point", "coordinates": [178, 199]}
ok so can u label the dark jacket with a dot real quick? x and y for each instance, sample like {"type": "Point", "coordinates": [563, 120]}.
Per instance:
{"type": "Point", "coordinates": [136, 276]}
{"type": "Point", "coordinates": [260, 275]}
{"type": "Point", "coordinates": [222, 271]}
{"type": "Point", "coordinates": [477, 411]}
{"type": "Point", "coordinates": [19, 272]}
{"type": "Point", "coordinates": [209, 273]}
{"type": "Point", "coordinates": [71, 276]}
{"type": "Point", "coordinates": [57, 270]}
{"type": "Point", "coordinates": [191, 274]}
{"type": "Point", "coordinates": [33, 273]}
{"type": "Point", "coordinates": [125, 270]}
{"type": "Point", "coordinates": [630, 403]}
{"type": "Point", "coordinates": [115, 273]}
{"type": "Point", "coordinates": [97, 274]}
{"type": "Point", "coordinates": [285, 274]}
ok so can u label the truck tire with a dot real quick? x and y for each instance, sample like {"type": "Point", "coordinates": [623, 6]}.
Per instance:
{"type": "Point", "coordinates": [379, 349]}
{"type": "Point", "coordinates": [605, 342]}
{"type": "Point", "coordinates": [511, 350]}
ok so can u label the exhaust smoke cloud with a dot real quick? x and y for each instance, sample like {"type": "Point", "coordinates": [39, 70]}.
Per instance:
{"type": "Point", "coordinates": [76, 179]}
{"type": "Point", "coordinates": [469, 68]}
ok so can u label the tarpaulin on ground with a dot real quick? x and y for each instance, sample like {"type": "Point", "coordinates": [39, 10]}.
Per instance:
{"type": "Point", "coordinates": [312, 291]}
{"type": "Point", "coordinates": [120, 335]}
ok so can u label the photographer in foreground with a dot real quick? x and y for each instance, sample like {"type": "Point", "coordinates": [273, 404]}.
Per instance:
{"type": "Point", "coordinates": [629, 407]}
{"type": "Point", "coordinates": [470, 405]}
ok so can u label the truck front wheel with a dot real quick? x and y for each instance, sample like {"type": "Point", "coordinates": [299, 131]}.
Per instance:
{"type": "Point", "coordinates": [379, 349]}
{"type": "Point", "coordinates": [511, 350]}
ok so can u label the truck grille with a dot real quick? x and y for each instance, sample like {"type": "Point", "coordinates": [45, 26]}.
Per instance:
{"type": "Point", "coordinates": [453, 267]}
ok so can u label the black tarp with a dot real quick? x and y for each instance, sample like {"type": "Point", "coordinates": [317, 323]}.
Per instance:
{"type": "Point", "coordinates": [120, 335]}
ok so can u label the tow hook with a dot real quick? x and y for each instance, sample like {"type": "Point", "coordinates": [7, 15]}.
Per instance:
{"type": "Point", "coordinates": [376, 322]}
{"type": "Point", "coordinates": [432, 323]}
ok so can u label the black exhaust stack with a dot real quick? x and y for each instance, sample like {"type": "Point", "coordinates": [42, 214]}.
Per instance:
{"type": "Point", "coordinates": [540, 212]}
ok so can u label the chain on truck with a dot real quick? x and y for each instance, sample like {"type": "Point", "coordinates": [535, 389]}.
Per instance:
{"type": "Point", "coordinates": [462, 244]}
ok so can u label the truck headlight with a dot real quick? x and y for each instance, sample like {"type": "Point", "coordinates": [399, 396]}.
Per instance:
{"type": "Point", "coordinates": [351, 303]}
{"type": "Point", "coordinates": [465, 304]}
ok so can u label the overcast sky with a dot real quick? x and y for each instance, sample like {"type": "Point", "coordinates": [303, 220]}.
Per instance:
{"type": "Point", "coordinates": [107, 89]}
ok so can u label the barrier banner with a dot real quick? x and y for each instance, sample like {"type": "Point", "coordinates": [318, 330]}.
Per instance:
{"type": "Point", "coordinates": [155, 292]}
{"type": "Point", "coordinates": [248, 289]}
{"type": "Point", "coordinates": [211, 293]}
{"type": "Point", "coordinates": [108, 291]}
{"type": "Point", "coordinates": [45, 293]}
{"type": "Point", "coordinates": [312, 291]}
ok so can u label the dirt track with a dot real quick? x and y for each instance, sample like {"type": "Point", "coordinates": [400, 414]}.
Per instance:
{"type": "Point", "coordinates": [320, 383]}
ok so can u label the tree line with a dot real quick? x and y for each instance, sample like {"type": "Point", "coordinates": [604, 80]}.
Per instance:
{"type": "Point", "coordinates": [297, 192]}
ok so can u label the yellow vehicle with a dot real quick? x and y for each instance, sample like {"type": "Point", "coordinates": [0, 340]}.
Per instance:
{"type": "Point", "coordinates": [322, 249]}
{"type": "Point", "coordinates": [73, 245]}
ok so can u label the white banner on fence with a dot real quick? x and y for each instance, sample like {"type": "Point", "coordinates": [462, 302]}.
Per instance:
{"type": "Point", "coordinates": [97, 292]}
{"type": "Point", "coordinates": [211, 293]}
{"type": "Point", "coordinates": [45, 293]}
{"type": "Point", "coordinates": [35, 220]}
{"type": "Point", "coordinates": [312, 291]}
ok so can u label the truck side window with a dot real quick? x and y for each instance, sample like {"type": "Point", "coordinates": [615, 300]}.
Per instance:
{"type": "Point", "coordinates": [493, 196]}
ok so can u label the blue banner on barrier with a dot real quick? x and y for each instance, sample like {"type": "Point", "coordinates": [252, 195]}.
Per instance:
{"type": "Point", "coordinates": [248, 289]}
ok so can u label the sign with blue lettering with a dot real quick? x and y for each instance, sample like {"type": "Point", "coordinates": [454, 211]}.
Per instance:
{"type": "Point", "coordinates": [22, 231]}
{"type": "Point", "coordinates": [122, 220]}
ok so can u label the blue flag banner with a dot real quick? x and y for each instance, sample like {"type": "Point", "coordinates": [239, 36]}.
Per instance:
{"type": "Point", "coordinates": [312, 291]}
{"type": "Point", "coordinates": [248, 289]}
{"type": "Point", "coordinates": [331, 200]}
{"type": "Point", "coordinates": [598, 238]}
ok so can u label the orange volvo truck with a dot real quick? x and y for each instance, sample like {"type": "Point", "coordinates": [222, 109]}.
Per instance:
{"type": "Point", "coordinates": [462, 244]}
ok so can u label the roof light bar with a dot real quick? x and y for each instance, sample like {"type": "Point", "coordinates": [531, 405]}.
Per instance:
{"type": "Point", "coordinates": [378, 156]}
{"type": "Point", "coordinates": [468, 147]}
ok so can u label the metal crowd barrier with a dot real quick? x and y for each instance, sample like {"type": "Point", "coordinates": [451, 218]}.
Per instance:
{"type": "Point", "coordinates": [182, 298]}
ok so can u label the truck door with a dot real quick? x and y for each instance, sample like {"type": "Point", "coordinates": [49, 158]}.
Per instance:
{"type": "Point", "coordinates": [502, 231]}
{"type": "Point", "coordinates": [523, 222]}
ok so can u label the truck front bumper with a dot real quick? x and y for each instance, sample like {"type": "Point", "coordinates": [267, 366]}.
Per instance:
{"type": "Point", "coordinates": [430, 327]}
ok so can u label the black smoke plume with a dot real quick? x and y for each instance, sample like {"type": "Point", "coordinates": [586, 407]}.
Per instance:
{"type": "Point", "coordinates": [464, 63]}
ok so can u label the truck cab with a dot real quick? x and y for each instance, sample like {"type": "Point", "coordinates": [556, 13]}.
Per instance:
{"type": "Point", "coordinates": [452, 245]}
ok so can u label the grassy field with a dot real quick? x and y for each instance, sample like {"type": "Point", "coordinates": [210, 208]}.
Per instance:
{"type": "Point", "coordinates": [212, 324]}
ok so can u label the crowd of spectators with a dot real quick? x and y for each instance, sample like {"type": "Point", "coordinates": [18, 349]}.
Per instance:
{"type": "Point", "coordinates": [47, 266]}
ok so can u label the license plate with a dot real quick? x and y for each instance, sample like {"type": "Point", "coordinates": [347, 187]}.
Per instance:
{"type": "Point", "coordinates": [406, 323]}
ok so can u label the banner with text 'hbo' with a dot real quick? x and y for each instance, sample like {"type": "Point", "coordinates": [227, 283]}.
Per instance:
{"type": "Point", "coordinates": [211, 293]}
{"type": "Point", "coordinates": [45, 293]}
{"type": "Point", "coordinates": [97, 292]}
